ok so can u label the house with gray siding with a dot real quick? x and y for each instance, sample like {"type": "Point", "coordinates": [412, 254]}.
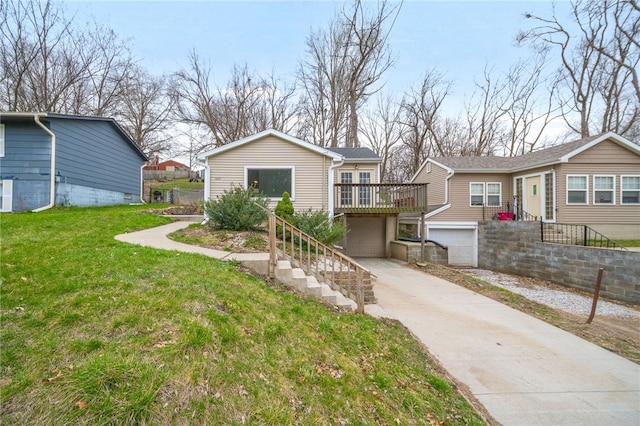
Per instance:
{"type": "Point", "coordinates": [51, 159]}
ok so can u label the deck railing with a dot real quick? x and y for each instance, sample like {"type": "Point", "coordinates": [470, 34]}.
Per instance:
{"type": "Point", "coordinates": [580, 235]}
{"type": "Point", "coordinates": [341, 273]}
{"type": "Point", "coordinates": [379, 197]}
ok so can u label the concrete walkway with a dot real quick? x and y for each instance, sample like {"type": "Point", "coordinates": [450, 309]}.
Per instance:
{"type": "Point", "coordinates": [523, 370]}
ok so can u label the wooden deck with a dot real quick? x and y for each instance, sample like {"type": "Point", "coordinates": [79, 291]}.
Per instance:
{"type": "Point", "coordinates": [379, 198]}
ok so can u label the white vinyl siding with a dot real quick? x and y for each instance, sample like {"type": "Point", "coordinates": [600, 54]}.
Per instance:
{"type": "Point", "coordinates": [6, 195]}
{"type": "Point", "coordinates": [604, 190]}
{"type": "Point", "coordinates": [630, 190]}
{"type": "Point", "coordinates": [577, 189]}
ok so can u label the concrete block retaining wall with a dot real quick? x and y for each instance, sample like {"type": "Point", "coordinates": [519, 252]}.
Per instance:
{"type": "Point", "coordinates": [516, 247]}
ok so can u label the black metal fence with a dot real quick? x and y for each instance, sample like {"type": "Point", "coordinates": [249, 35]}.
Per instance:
{"type": "Point", "coordinates": [578, 235]}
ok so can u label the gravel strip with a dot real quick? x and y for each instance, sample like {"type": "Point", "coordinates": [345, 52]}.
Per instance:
{"type": "Point", "coordinates": [564, 300]}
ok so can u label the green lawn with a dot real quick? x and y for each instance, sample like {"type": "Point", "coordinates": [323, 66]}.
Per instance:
{"type": "Point", "coordinates": [95, 331]}
{"type": "Point", "coordinates": [178, 183]}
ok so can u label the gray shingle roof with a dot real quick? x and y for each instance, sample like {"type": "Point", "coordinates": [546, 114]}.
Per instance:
{"type": "Point", "coordinates": [508, 164]}
{"type": "Point", "coordinates": [356, 153]}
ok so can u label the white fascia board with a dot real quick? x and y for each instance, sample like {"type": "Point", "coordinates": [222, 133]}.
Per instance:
{"type": "Point", "coordinates": [435, 212]}
{"type": "Point", "coordinates": [269, 132]}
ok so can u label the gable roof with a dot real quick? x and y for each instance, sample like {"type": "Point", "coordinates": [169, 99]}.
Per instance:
{"type": "Point", "coordinates": [49, 116]}
{"type": "Point", "coordinates": [544, 157]}
{"type": "Point", "coordinates": [270, 132]}
{"type": "Point", "coordinates": [360, 154]}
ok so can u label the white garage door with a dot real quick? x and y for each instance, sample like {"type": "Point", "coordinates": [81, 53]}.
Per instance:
{"type": "Point", "coordinates": [462, 244]}
{"type": "Point", "coordinates": [366, 237]}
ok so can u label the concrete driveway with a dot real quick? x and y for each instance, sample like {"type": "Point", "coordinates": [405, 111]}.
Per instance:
{"type": "Point", "coordinates": [524, 371]}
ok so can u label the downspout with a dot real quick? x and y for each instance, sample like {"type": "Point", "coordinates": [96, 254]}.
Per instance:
{"type": "Point", "coordinates": [330, 192]}
{"type": "Point", "coordinates": [52, 194]}
{"type": "Point", "coordinates": [207, 185]}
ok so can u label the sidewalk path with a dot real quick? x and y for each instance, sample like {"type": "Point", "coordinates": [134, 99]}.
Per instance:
{"type": "Point", "coordinates": [157, 238]}
{"type": "Point", "coordinates": [523, 370]}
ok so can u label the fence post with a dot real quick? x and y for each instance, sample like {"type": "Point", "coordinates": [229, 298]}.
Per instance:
{"type": "Point", "coordinates": [273, 261]}
{"type": "Point", "coordinates": [596, 293]}
{"type": "Point", "coordinates": [584, 240]}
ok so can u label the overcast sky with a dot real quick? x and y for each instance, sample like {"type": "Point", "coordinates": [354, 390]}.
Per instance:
{"type": "Point", "coordinates": [458, 38]}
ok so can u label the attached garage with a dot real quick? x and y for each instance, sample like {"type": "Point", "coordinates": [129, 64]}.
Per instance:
{"type": "Point", "coordinates": [367, 236]}
{"type": "Point", "coordinates": [460, 238]}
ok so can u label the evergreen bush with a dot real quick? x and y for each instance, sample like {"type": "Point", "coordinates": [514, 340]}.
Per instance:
{"type": "Point", "coordinates": [284, 208]}
{"type": "Point", "coordinates": [319, 225]}
{"type": "Point", "coordinates": [238, 209]}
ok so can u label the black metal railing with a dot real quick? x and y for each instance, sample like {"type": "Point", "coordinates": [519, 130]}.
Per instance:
{"type": "Point", "coordinates": [577, 235]}
{"type": "Point", "coordinates": [506, 210]}
{"type": "Point", "coordinates": [379, 197]}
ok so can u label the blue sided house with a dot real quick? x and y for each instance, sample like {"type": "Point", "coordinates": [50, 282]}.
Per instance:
{"type": "Point", "coordinates": [51, 159]}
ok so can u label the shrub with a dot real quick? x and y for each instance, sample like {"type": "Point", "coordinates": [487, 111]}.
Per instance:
{"type": "Point", "coordinates": [238, 209]}
{"type": "Point", "coordinates": [284, 208]}
{"type": "Point", "coordinates": [319, 225]}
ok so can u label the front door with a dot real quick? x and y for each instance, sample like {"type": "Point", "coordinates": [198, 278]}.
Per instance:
{"type": "Point", "coordinates": [533, 204]}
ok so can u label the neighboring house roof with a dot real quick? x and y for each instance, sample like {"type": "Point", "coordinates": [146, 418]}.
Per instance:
{"type": "Point", "coordinates": [357, 154]}
{"type": "Point", "coordinates": [553, 155]}
{"type": "Point", "coordinates": [163, 165]}
{"type": "Point", "coordinates": [49, 115]}
{"type": "Point", "coordinates": [275, 133]}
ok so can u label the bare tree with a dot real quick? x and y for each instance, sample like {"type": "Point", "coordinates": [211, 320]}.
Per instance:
{"type": "Point", "coordinates": [598, 79]}
{"type": "Point", "coordinates": [381, 129]}
{"type": "Point", "coordinates": [485, 113]}
{"type": "Point", "coordinates": [144, 112]}
{"type": "Point", "coordinates": [246, 105]}
{"type": "Point", "coordinates": [343, 69]}
{"type": "Point", "coordinates": [46, 64]}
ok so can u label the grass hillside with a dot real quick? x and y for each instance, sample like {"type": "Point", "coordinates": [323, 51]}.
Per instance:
{"type": "Point", "coordinates": [95, 331]}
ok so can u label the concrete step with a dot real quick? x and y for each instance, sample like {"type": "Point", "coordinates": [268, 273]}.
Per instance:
{"type": "Point", "coordinates": [284, 272]}
{"type": "Point", "coordinates": [298, 279]}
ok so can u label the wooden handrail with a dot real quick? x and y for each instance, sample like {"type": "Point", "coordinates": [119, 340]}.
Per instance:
{"type": "Point", "coordinates": [328, 265]}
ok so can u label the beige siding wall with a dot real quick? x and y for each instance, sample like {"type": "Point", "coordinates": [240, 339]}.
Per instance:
{"type": "Point", "coordinates": [459, 193]}
{"type": "Point", "coordinates": [437, 180]}
{"type": "Point", "coordinates": [591, 213]}
{"type": "Point", "coordinates": [310, 178]}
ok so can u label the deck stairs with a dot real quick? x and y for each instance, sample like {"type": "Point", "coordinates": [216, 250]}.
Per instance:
{"type": "Point", "coordinates": [296, 279]}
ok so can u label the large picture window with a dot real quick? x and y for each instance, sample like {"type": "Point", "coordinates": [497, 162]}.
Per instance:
{"type": "Point", "coordinates": [577, 189]}
{"type": "Point", "coordinates": [630, 189]}
{"type": "Point", "coordinates": [272, 181]}
{"type": "Point", "coordinates": [604, 189]}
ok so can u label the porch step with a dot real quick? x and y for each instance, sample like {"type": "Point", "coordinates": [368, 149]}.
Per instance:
{"type": "Point", "coordinates": [296, 278]}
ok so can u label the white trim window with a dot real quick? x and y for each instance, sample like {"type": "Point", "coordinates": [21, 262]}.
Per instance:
{"type": "Point", "coordinates": [273, 181]}
{"type": "Point", "coordinates": [630, 189]}
{"type": "Point", "coordinates": [364, 195]}
{"type": "Point", "coordinates": [1, 140]}
{"type": "Point", "coordinates": [476, 194]}
{"type": "Point", "coordinates": [481, 194]}
{"type": "Point", "coordinates": [577, 189]}
{"type": "Point", "coordinates": [6, 195]}
{"type": "Point", "coordinates": [494, 193]}
{"type": "Point", "coordinates": [604, 190]}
